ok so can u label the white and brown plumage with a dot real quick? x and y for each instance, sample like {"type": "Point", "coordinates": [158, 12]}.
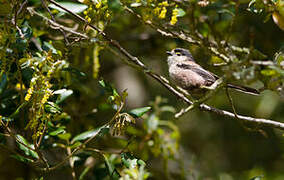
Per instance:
{"type": "Point", "coordinates": [185, 72]}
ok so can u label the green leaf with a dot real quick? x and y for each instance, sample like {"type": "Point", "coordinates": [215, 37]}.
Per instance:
{"type": "Point", "coordinates": [27, 150]}
{"type": "Point", "coordinates": [106, 86]}
{"type": "Point", "coordinates": [279, 57]}
{"type": "Point", "coordinates": [181, 12]}
{"type": "Point", "coordinates": [257, 177]}
{"type": "Point", "coordinates": [256, 54]}
{"type": "Point", "coordinates": [73, 7]}
{"type": "Point", "coordinates": [63, 94]}
{"type": "Point", "coordinates": [6, 119]}
{"type": "Point", "coordinates": [74, 71]}
{"type": "Point", "coordinates": [85, 171]}
{"type": "Point", "coordinates": [76, 144]}
{"type": "Point", "coordinates": [51, 107]}
{"type": "Point", "coordinates": [141, 162]}
{"type": "Point", "coordinates": [268, 72]}
{"type": "Point", "coordinates": [85, 135]}
{"type": "Point", "coordinates": [18, 110]}
{"type": "Point", "coordinates": [128, 160]}
{"type": "Point", "coordinates": [48, 47]}
{"type": "Point", "coordinates": [139, 111]}
{"type": "Point", "coordinates": [22, 158]}
{"type": "Point", "coordinates": [111, 168]}
{"type": "Point", "coordinates": [255, 6]}
{"type": "Point", "coordinates": [65, 136]}
{"type": "Point", "coordinates": [56, 132]}
{"type": "Point", "coordinates": [26, 30]}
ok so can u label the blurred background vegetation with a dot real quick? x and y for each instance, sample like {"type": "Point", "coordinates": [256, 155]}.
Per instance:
{"type": "Point", "coordinates": [71, 108]}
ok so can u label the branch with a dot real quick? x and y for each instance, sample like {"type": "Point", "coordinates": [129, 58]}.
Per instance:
{"type": "Point", "coordinates": [134, 60]}
{"type": "Point", "coordinates": [197, 40]}
{"type": "Point", "coordinates": [267, 63]}
{"type": "Point", "coordinates": [55, 25]}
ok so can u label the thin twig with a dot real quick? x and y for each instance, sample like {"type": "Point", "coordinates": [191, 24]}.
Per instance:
{"type": "Point", "coordinates": [42, 134]}
{"type": "Point", "coordinates": [266, 63]}
{"type": "Point", "coordinates": [14, 19]}
{"type": "Point", "coordinates": [165, 83]}
{"type": "Point", "coordinates": [83, 144]}
{"type": "Point", "coordinates": [56, 25]}
{"type": "Point", "coordinates": [231, 102]}
{"type": "Point", "coordinates": [71, 162]}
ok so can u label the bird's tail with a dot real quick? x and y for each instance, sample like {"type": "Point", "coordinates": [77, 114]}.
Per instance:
{"type": "Point", "coordinates": [244, 89]}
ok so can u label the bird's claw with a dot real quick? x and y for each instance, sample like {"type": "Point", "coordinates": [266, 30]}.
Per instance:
{"type": "Point", "coordinates": [214, 85]}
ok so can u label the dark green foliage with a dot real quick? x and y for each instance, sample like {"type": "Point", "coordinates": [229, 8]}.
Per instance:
{"type": "Point", "coordinates": [70, 107]}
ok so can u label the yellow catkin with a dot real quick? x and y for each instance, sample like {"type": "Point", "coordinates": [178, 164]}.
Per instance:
{"type": "Point", "coordinates": [29, 94]}
{"type": "Point", "coordinates": [98, 5]}
{"type": "Point", "coordinates": [174, 17]}
{"type": "Point", "coordinates": [164, 3]}
{"type": "Point", "coordinates": [163, 13]}
{"type": "Point", "coordinates": [47, 94]}
{"type": "Point", "coordinates": [157, 10]}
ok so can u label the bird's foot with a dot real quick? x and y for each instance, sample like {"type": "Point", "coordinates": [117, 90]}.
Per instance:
{"type": "Point", "coordinates": [214, 85]}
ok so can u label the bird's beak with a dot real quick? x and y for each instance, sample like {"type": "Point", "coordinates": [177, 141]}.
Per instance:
{"type": "Point", "coordinates": [169, 53]}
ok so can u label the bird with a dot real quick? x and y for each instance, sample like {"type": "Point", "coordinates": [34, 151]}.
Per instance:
{"type": "Point", "coordinates": [189, 75]}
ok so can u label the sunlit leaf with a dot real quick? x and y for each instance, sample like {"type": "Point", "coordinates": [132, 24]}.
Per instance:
{"type": "Point", "coordinates": [26, 147]}
{"type": "Point", "coordinates": [128, 160]}
{"type": "Point", "coordinates": [278, 19]}
{"type": "Point", "coordinates": [51, 107]}
{"type": "Point", "coordinates": [181, 12]}
{"type": "Point", "coordinates": [139, 111]}
{"type": "Point", "coordinates": [74, 145]}
{"type": "Point", "coordinates": [141, 162]}
{"type": "Point", "coordinates": [106, 86]}
{"type": "Point", "coordinates": [85, 135]}
{"type": "Point", "coordinates": [63, 94]}
{"type": "Point", "coordinates": [56, 132]}
{"type": "Point", "coordinates": [73, 7]}
{"type": "Point", "coordinates": [257, 177]}
{"type": "Point", "coordinates": [255, 6]}
{"type": "Point", "coordinates": [268, 72]}
{"type": "Point", "coordinates": [65, 136]}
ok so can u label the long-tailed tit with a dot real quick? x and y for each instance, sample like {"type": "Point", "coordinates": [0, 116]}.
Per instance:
{"type": "Point", "coordinates": [189, 75]}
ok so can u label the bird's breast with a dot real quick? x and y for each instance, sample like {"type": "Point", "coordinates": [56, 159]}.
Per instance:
{"type": "Point", "coordinates": [186, 78]}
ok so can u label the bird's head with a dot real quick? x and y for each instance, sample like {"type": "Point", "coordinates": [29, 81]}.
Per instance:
{"type": "Point", "coordinates": [179, 55]}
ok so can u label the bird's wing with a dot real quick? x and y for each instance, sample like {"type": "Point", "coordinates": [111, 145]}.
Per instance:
{"type": "Point", "coordinates": [209, 77]}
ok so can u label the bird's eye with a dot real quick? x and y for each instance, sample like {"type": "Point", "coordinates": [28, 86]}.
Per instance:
{"type": "Point", "coordinates": [178, 53]}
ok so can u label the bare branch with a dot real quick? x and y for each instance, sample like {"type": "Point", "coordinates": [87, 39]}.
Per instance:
{"type": "Point", "coordinates": [266, 63]}
{"type": "Point", "coordinates": [134, 60]}
{"type": "Point", "coordinates": [55, 25]}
